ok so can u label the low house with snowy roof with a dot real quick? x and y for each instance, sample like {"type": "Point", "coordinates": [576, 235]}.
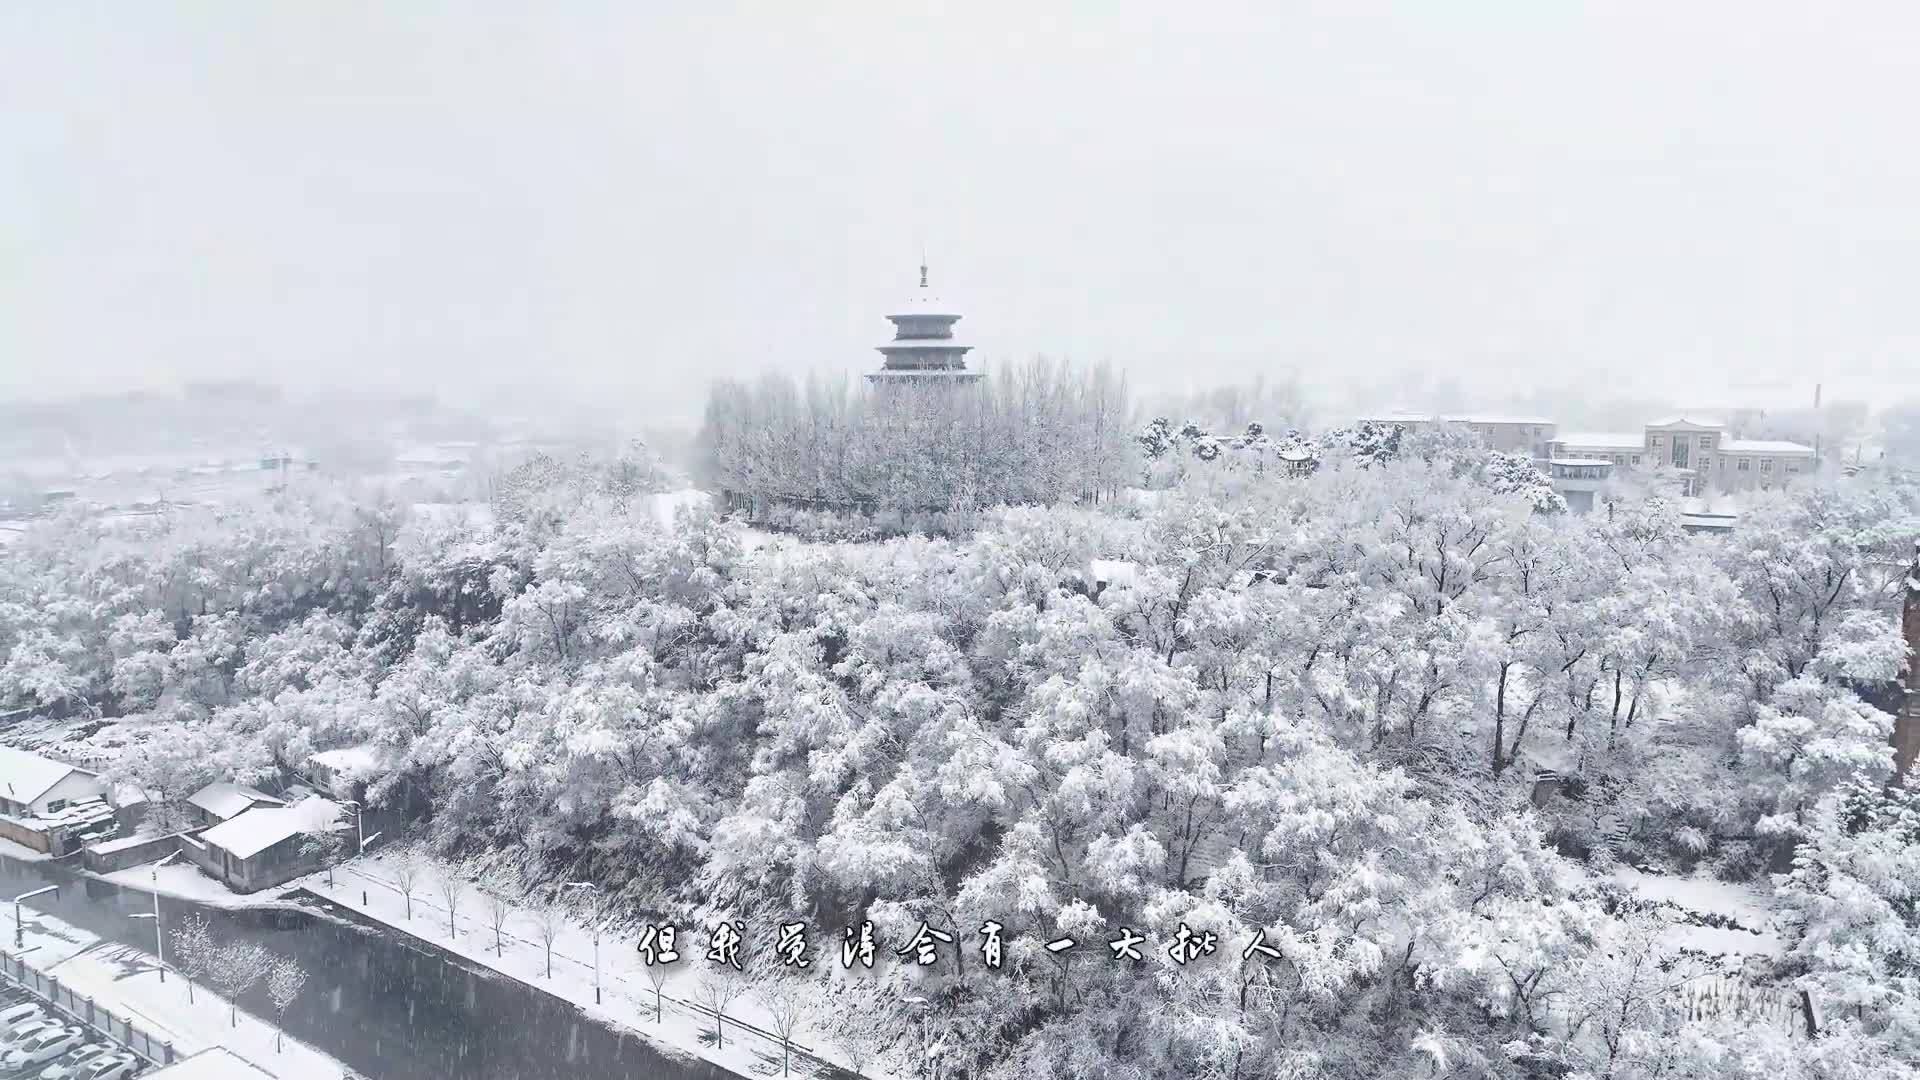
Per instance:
{"type": "Point", "coordinates": [32, 785]}
{"type": "Point", "coordinates": [45, 803]}
{"type": "Point", "coordinates": [265, 846]}
{"type": "Point", "coordinates": [223, 800]}
{"type": "Point", "coordinates": [345, 771]}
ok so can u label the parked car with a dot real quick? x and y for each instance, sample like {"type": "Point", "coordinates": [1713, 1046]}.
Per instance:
{"type": "Point", "coordinates": [72, 1064]}
{"type": "Point", "coordinates": [26, 1010]}
{"type": "Point", "coordinates": [22, 1031]}
{"type": "Point", "coordinates": [112, 1066]}
{"type": "Point", "coordinates": [40, 1048]}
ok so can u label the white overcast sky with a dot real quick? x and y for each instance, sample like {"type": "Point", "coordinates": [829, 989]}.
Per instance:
{"type": "Point", "coordinates": [621, 202]}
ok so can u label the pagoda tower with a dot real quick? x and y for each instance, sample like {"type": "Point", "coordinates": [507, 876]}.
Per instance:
{"type": "Point", "coordinates": [923, 349]}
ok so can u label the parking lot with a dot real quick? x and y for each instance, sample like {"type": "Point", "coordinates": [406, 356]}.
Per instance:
{"type": "Point", "coordinates": [39, 1040]}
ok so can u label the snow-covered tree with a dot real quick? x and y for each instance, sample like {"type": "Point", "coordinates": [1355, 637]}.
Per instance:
{"type": "Point", "coordinates": [285, 979]}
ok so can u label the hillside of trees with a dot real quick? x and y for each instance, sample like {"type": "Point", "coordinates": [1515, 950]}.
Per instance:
{"type": "Point", "coordinates": [1309, 714]}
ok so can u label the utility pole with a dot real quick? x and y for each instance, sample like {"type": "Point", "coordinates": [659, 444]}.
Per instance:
{"type": "Point", "coordinates": [159, 938]}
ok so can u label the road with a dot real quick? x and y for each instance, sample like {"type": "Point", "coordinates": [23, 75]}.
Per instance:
{"type": "Point", "coordinates": [383, 1003]}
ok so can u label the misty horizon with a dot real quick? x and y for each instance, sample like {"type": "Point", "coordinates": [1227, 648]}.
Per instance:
{"type": "Point", "coordinates": [1700, 206]}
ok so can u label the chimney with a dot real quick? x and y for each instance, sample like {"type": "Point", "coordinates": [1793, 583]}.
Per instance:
{"type": "Point", "coordinates": [1906, 724]}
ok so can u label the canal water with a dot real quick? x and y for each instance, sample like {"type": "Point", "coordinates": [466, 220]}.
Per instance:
{"type": "Point", "coordinates": [386, 1005]}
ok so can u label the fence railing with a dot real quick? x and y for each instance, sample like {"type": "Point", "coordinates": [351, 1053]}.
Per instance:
{"type": "Point", "coordinates": [85, 1010]}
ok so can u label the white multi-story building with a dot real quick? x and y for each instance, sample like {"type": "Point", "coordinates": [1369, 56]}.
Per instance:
{"type": "Point", "coordinates": [1723, 464]}
{"type": "Point", "coordinates": [1699, 450]}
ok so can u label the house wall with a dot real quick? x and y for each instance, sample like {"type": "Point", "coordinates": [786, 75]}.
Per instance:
{"type": "Point", "coordinates": [20, 834]}
{"type": "Point", "coordinates": [276, 865]}
{"type": "Point", "coordinates": [1768, 470]}
{"type": "Point", "coordinates": [203, 856]}
{"type": "Point", "coordinates": [75, 786]}
{"type": "Point", "coordinates": [106, 862]}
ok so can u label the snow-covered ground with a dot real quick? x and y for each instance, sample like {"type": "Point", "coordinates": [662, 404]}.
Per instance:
{"type": "Point", "coordinates": [627, 997]}
{"type": "Point", "coordinates": [184, 881]}
{"type": "Point", "coordinates": [125, 982]}
{"type": "Point", "coordinates": [1754, 929]}
{"type": "Point", "coordinates": [667, 504]}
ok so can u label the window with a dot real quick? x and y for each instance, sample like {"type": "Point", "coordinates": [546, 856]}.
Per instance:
{"type": "Point", "coordinates": [1706, 442]}
{"type": "Point", "coordinates": [1746, 465]}
{"type": "Point", "coordinates": [1793, 466]}
{"type": "Point", "coordinates": [1655, 440]}
{"type": "Point", "coordinates": [1766, 464]}
{"type": "Point", "coordinates": [1636, 459]}
{"type": "Point", "coordinates": [1621, 459]}
{"type": "Point", "coordinates": [56, 805]}
{"type": "Point", "coordinates": [1706, 463]}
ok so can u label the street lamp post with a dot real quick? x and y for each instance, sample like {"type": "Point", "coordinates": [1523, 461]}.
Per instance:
{"type": "Point", "coordinates": [159, 939]}
{"type": "Point", "coordinates": [19, 931]}
{"type": "Point", "coordinates": [359, 827]}
{"type": "Point", "coordinates": [364, 841]}
{"type": "Point", "coordinates": [588, 885]}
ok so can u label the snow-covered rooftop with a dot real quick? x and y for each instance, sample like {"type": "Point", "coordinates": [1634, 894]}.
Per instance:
{"type": "Point", "coordinates": [924, 373]}
{"type": "Point", "coordinates": [258, 829]}
{"type": "Point", "coordinates": [1691, 421]}
{"type": "Point", "coordinates": [1610, 439]}
{"type": "Point", "coordinates": [225, 800]}
{"type": "Point", "coordinates": [1496, 418]}
{"type": "Point", "coordinates": [108, 847]}
{"type": "Point", "coordinates": [348, 758]}
{"type": "Point", "coordinates": [1406, 416]}
{"type": "Point", "coordinates": [923, 301]}
{"type": "Point", "coordinates": [25, 777]}
{"type": "Point", "coordinates": [898, 344]}
{"type": "Point", "coordinates": [81, 815]}
{"type": "Point", "coordinates": [1764, 446]}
